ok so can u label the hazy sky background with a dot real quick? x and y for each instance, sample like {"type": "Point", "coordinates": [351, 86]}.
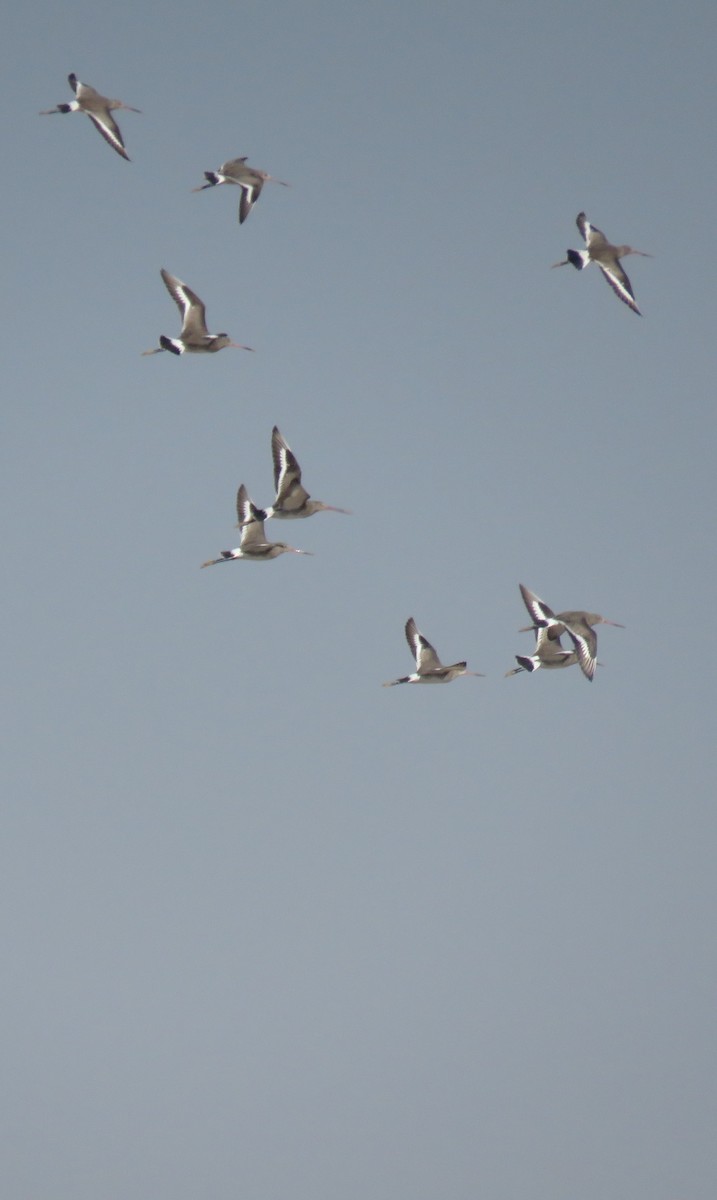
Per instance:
{"type": "Point", "coordinates": [272, 932]}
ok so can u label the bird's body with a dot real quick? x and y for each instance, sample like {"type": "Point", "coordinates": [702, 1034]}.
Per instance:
{"type": "Point", "coordinates": [194, 338]}
{"type": "Point", "coordinates": [599, 250]}
{"type": "Point", "coordinates": [429, 668]}
{"type": "Point", "coordinates": [577, 623]}
{"type": "Point", "coordinates": [98, 108]}
{"type": "Point", "coordinates": [253, 544]}
{"type": "Point", "coordinates": [549, 653]}
{"type": "Point", "coordinates": [250, 179]}
{"type": "Point", "coordinates": [292, 500]}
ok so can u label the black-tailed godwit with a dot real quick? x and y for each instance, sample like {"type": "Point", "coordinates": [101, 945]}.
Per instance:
{"type": "Point", "coordinates": [249, 179]}
{"type": "Point", "coordinates": [292, 500]}
{"type": "Point", "coordinates": [253, 544]}
{"type": "Point", "coordinates": [577, 623]}
{"type": "Point", "coordinates": [429, 668]}
{"type": "Point", "coordinates": [98, 109]}
{"type": "Point", "coordinates": [194, 338]}
{"type": "Point", "coordinates": [599, 250]}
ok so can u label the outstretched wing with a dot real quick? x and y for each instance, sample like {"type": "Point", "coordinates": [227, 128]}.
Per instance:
{"type": "Point", "coordinates": [105, 124]}
{"type": "Point", "coordinates": [620, 284]}
{"type": "Point", "coordinates": [188, 303]}
{"type": "Point", "coordinates": [540, 612]}
{"type": "Point", "coordinates": [250, 519]}
{"type": "Point", "coordinates": [232, 167]}
{"type": "Point", "coordinates": [290, 495]}
{"type": "Point", "coordinates": [548, 644]}
{"type": "Point", "coordinates": [593, 237]}
{"type": "Point", "coordinates": [250, 193]}
{"type": "Point", "coordinates": [585, 642]}
{"type": "Point", "coordinates": [425, 655]}
{"type": "Point", "coordinates": [82, 90]}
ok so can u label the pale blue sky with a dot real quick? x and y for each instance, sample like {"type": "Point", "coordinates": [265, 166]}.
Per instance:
{"type": "Point", "coordinates": [271, 931]}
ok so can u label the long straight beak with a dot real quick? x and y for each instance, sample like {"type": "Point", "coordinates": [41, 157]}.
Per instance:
{"type": "Point", "coordinates": [271, 179]}
{"type": "Point", "coordinates": [157, 350]}
{"type": "Point", "coordinates": [237, 346]}
{"type": "Point", "coordinates": [128, 108]}
{"type": "Point", "coordinates": [617, 623]}
{"type": "Point", "coordinates": [563, 263]}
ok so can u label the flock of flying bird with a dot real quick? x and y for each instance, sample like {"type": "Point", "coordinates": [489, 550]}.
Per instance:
{"type": "Point", "coordinates": [292, 500]}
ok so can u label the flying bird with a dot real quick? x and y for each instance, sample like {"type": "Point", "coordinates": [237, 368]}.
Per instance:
{"type": "Point", "coordinates": [194, 338]}
{"type": "Point", "coordinates": [549, 653]}
{"type": "Point", "coordinates": [253, 542]}
{"type": "Point", "coordinates": [599, 250]}
{"type": "Point", "coordinates": [98, 109]}
{"type": "Point", "coordinates": [292, 499]}
{"type": "Point", "coordinates": [429, 668]}
{"type": "Point", "coordinates": [577, 623]}
{"type": "Point", "coordinates": [249, 179]}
